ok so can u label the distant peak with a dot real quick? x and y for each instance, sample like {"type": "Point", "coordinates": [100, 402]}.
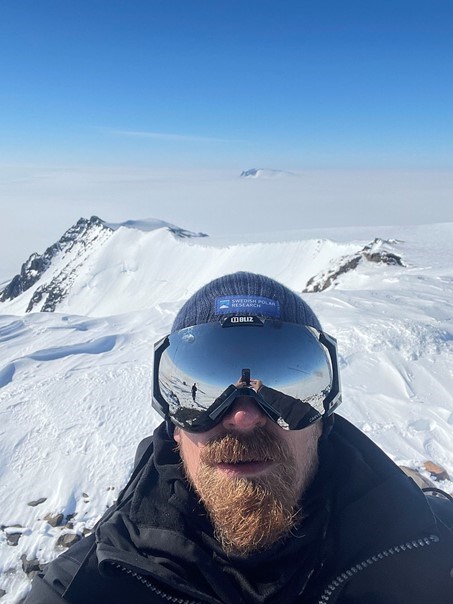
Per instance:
{"type": "Point", "coordinates": [265, 173]}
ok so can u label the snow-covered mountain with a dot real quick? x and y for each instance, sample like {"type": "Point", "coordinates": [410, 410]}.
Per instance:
{"type": "Point", "coordinates": [100, 268]}
{"type": "Point", "coordinates": [45, 280]}
{"type": "Point", "coordinates": [265, 173]}
{"type": "Point", "coordinates": [75, 381]}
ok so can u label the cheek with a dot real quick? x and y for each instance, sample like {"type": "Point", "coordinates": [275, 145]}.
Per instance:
{"type": "Point", "coordinates": [304, 442]}
{"type": "Point", "coordinates": [190, 454]}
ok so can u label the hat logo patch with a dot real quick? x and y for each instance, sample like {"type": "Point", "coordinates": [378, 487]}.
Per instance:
{"type": "Point", "coordinates": [257, 305]}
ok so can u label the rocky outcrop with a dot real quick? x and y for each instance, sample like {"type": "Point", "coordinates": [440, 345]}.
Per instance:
{"type": "Point", "coordinates": [81, 235]}
{"type": "Point", "coordinates": [373, 252]}
{"type": "Point", "coordinates": [184, 234]}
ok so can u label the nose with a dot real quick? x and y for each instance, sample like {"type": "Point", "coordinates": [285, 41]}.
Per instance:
{"type": "Point", "coordinates": [244, 415]}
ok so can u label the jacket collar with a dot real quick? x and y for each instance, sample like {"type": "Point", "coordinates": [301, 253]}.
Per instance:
{"type": "Point", "coordinates": [164, 532]}
{"type": "Point", "coordinates": [376, 506]}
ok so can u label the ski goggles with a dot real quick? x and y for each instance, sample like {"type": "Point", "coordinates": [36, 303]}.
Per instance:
{"type": "Point", "coordinates": [290, 370]}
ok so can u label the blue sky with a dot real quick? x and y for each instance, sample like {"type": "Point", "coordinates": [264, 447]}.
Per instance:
{"type": "Point", "coordinates": [152, 108]}
{"type": "Point", "coordinates": [228, 83]}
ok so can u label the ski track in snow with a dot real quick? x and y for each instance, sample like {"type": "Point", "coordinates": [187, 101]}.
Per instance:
{"type": "Point", "coordinates": [75, 385]}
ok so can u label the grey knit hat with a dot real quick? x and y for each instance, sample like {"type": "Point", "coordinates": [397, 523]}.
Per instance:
{"type": "Point", "coordinates": [243, 294]}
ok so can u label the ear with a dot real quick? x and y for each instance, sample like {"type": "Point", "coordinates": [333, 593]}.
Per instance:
{"type": "Point", "coordinates": [177, 434]}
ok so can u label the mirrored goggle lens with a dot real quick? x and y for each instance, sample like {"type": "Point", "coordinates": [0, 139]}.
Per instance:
{"type": "Point", "coordinates": [200, 370]}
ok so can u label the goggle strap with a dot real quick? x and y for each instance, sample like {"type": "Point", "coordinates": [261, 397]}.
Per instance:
{"type": "Point", "coordinates": [333, 399]}
{"type": "Point", "coordinates": [158, 402]}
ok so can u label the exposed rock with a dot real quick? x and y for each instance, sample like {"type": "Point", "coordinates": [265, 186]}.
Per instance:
{"type": "Point", "coordinates": [54, 520]}
{"type": "Point", "coordinates": [13, 538]}
{"type": "Point", "coordinates": [325, 280]}
{"type": "Point", "coordinates": [7, 526]}
{"type": "Point", "coordinates": [30, 566]}
{"type": "Point", "coordinates": [68, 539]}
{"type": "Point", "coordinates": [80, 236]}
{"type": "Point", "coordinates": [52, 293]}
{"type": "Point", "coordinates": [30, 272]}
{"type": "Point", "coordinates": [37, 502]}
{"type": "Point", "coordinates": [184, 234]}
{"type": "Point", "coordinates": [371, 252]}
{"type": "Point", "coordinates": [2, 593]}
{"type": "Point", "coordinates": [385, 257]}
{"type": "Point", "coordinates": [436, 471]}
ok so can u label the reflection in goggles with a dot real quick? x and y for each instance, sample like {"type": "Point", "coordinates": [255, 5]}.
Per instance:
{"type": "Point", "coordinates": [290, 370]}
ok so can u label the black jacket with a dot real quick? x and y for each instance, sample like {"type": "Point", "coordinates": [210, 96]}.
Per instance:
{"type": "Point", "coordinates": [369, 536]}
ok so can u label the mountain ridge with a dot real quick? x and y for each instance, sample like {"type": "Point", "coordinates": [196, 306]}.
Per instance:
{"type": "Point", "coordinates": [78, 239]}
{"type": "Point", "coordinates": [101, 267]}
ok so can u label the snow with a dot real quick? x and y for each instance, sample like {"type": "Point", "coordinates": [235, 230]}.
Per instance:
{"type": "Point", "coordinates": [75, 385]}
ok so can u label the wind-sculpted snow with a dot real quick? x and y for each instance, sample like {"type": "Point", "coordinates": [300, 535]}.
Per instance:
{"type": "Point", "coordinates": [104, 344]}
{"type": "Point", "coordinates": [7, 374]}
{"type": "Point", "coordinates": [75, 385]}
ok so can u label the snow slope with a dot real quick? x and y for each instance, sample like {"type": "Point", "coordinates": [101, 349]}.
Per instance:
{"type": "Point", "coordinates": [75, 395]}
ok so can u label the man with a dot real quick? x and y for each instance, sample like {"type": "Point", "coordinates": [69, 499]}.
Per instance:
{"type": "Point", "coordinates": [252, 493]}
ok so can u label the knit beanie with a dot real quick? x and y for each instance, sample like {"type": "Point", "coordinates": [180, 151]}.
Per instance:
{"type": "Point", "coordinates": [242, 294]}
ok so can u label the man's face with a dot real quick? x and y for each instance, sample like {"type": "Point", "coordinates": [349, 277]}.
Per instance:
{"type": "Point", "coordinates": [250, 475]}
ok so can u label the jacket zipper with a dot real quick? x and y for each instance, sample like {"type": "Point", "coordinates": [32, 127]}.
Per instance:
{"type": "Point", "coordinates": [330, 589]}
{"type": "Point", "coordinates": [387, 553]}
{"type": "Point", "coordinates": [154, 588]}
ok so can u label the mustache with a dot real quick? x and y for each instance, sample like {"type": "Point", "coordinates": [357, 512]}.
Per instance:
{"type": "Point", "coordinates": [259, 445]}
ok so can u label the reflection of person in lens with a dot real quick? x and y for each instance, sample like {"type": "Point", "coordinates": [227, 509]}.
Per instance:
{"type": "Point", "coordinates": [247, 510]}
{"type": "Point", "coordinates": [290, 408]}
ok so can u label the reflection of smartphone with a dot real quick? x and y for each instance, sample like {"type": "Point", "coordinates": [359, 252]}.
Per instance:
{"type": "Point", "coordinates": [246, 376]}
